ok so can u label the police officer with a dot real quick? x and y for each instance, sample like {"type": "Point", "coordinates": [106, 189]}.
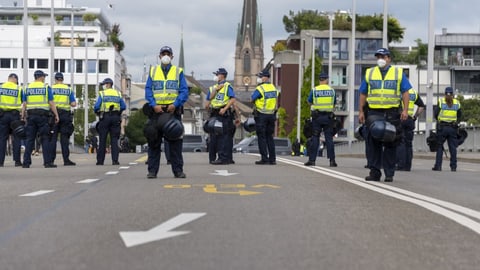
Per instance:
{"type": "Point", "coordinates": [265, 99]}
{"type": "Point", "coordinates": [38, 101]}
{"type": "Point", "coordinates": [384, 88]}
{"type": "Point", "coordinates": [220, 100]}
{"type": "Point", "coordinates": [322, 100]}
{"type": "Point", "coordinates": [10, 109]}
{"type": "Point", "coordinates": [448, 113]}
{"type": "Point", "coordinates": [64, 98]}
{"type": "Point", "coordinates": [109, 107]}
{"type": "Point", "coordinates": [405, 148]}
{"type": "Point", "coordinates": [166, 91]}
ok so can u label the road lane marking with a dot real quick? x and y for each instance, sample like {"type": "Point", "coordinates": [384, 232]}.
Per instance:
{"type": "Point", "coordinates": [213, 189]}
{"type": "Point", "coordinates": [124, 167]}
{"type": "Point", "coordinates": [36, 193]}
{"type": "Point", "coordinates": [426, 202]}
{"type": "Point", "coordinates": [222, 173]}
{"type": "Point", "coordinates": [111, 172]}
{"type": "Point", "coordinates": [132, 163]}
{"type": "Point", "coordinates": [162, 231]}
{"type": "Point", "coordinates": [87, 181]}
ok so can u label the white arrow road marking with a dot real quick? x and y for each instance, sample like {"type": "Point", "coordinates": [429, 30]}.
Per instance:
{"type": "Point", "coordinates": [87, 181]}
{"type": "Point", "coordinates": [161, 231]}
{"type": "Point", "coordinates": [222, 173]}
{"type": "Point", "coordinates": [111, 172]}
{"type": "Point", "coordinates": [36, 193]}
{"type": "Point", "coordinates": [124, 167]}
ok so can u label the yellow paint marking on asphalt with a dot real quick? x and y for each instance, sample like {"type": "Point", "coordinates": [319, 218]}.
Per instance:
{"type": "Point", "coordinates": [213, 189]}
{"type": "Point", "coordinates": [177, 186]}
{"type": "Point", "coordinates": [142, 159]}
{"type": "Point", "coordinates": [265, 186]}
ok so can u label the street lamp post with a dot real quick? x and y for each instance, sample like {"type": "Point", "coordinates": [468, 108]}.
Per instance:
{"type": "Point", "coordinates": [331, 17]}
{"type": "Point", "coordinates": [85, 90]}
{"type": "Point", "coordinates": [98, 71]}
{"type": "Point", "coordinates": [431, 37]}
{"type": "Point", "coordinates": [351, 81]}
{"type": "Point", "coordinates": [299, 94]}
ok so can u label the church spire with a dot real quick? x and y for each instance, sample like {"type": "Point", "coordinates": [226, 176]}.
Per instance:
{"type": "Point", "coordinates": [248, 48]}
{"type": "Point", "coordinates": [181, 58]}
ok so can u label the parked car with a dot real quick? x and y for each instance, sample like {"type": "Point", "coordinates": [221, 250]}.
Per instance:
{"type": "Point", "coordinates": [250, 145]}
{"type": "Point", "coordinates": [194, 143]}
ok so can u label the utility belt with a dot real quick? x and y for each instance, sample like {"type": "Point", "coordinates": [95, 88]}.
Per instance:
{"type": "Point", "coordinates": [317, 113]}
{"type": "Point", "coordinates": [216, 112]}
{"type": "Point", "coordinates": [448, 124]}
{"type": "Point", "coordinates": [12, 111]}
{"type": "Point", "coordinates": [63, 111]}
{"type": "Point", "coordinates": [388, 110]}
{"type": "Point", "coordinates": [178, 111]}
{"type": "Point", "coordinates": [39, 112]}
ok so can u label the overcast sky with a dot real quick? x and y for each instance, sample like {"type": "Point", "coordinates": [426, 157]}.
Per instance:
{"type": "Point", "coordinates": [210, 26]}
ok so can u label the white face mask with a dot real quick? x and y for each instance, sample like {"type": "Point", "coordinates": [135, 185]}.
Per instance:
{"type": "Point", "coordinates": [381, 63]}
{"type": "Point", "coordinates": [166, 59]}
{"type": "Point", "coordinates": [215, 78]}
{"type": "Point", "coordinates": [259, 80]}
{"type": "Point", "coordinates": [104, 87]}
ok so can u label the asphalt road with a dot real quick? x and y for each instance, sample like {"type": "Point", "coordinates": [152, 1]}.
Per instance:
{"type": "Point", "coordinates": [240, 216]}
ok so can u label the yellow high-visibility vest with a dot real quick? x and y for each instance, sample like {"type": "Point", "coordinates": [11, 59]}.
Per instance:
{"type": "Point", "coordinates": [448, 114]}
{"type": "Point", "coordinates": [10, 96]}
{"type": "Point", "coordinates": [37, 96]}
{"type": "Point", "coordinates": [384, 93]}
{"type": "Point", "coordinates": [268, 102]}
{"type": "Point", "coordinates": [165, 89]}
{"type": "Point", "coordinates": [61, 96]}
{"type": "Point", "coordinates": [323, 98]}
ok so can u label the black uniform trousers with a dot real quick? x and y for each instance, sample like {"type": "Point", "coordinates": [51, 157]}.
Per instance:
{"type": "Point", "coordinates": [322, 121]}
{"type": "Point", "coordinates": [5, 120]}
{"type": "Point", "coordinates": [447, 132]}
{"type": "Point", "coordinates": [65, 128]}
{"type": "Point", "coordinates": [405, 148]}
{"type": "Point", "coordinates": [37, 123]}
{"type": "Point", "coordinates": [174, 150]}
{"type": "Point", "coordinates": [109, 124]}
{"type": "Point", "coordinates": [383, 154]}
{"type": "Point", "coordinates": [265, 127]}
{"type": "Point", "coordinates": [223, 143]}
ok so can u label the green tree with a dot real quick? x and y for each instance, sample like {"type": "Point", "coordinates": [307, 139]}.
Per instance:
{"type": "Point", "coordinates": [416, 56]}
{"type": "Point", "coordinates": [282, 121]}
{"type": "Point", "coordinates": [134, 128]}
{"type": "Point", "coordinates": [470, 110]}
{"type": "Point", "coordinates": [114, 38]}
{"type": "Point", "coordinates": [312, 19]}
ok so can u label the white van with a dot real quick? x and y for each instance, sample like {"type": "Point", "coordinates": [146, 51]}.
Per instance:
{"type": "Point", "coordinates": [250, 145]}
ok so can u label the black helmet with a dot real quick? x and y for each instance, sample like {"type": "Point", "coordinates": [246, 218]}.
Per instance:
{"type": "Point", "coordinates": [213, 125]}
{"type": "Point", "coordinates": [249, 124]}
{"type": "Point", "coordinates": [432, 141]}
{"type": "Point", "coordinates": [18, 129]}
{"type": "Point", "coordinates": [173, 129]}
{"type": "Point", "coordinates": [461, 136]}
{"type": "Point", "coordinates": [383, 131]}
{"type": "Point", "coordinates": [162, 119]}
{"type": "Point", "coordinates": [308, 128]}
{"type": "Point", "coordinates": [358, 134]}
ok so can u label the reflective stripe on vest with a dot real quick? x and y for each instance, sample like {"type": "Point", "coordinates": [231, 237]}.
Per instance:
{"type": "Point", "coordinates": [323, 98]}
{"type": "Point", "coordinates": [384, 93]}
{"type": "Point", "coordinates": [165, 90]}
{"type": "Point", "coordinates": [110, 97]}
{"type": "Point", "coordinates": [61, 96]}
{"type": "Point", "coordinates": [268, 102]}
{"type": "Point", "coordinates": [448, 114]}
{"type": "Point", "coordinates": [37, 96]}
{"type": "Point", "coordinates": [10, 96]}
{"type": "Point", "coordinates": [221, 98]}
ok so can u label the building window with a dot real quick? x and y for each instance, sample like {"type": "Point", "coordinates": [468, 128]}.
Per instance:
{"type": "Point", "coordinates": [103, 66]}
{"type": "Point", "coordinates": [31, 63]}
{"type": "Point", "coordinates": [339, 48]}
{"type": "Point", "coordinates": [5, 63]}
{"type": "Point", "coordinates": [91, 65]}
{"type": "Point", "coordinates": [78, 66]}
{"type": "Point", "coordinates": [59, 65]}
{"type": "Point", "coordinates": [365, 48]}
{"type": "Point", "coordinates": [42, 63]}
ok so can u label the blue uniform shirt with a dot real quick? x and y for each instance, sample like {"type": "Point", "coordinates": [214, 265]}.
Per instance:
{"type": "Point", "coordinates": [182, 90]}
{"type": "Point", "coordinates": [230, 92]}
{"type": "Point", "coordinates": [98, 103]}
{"type": "Point", "coordinates": [404, 84]}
